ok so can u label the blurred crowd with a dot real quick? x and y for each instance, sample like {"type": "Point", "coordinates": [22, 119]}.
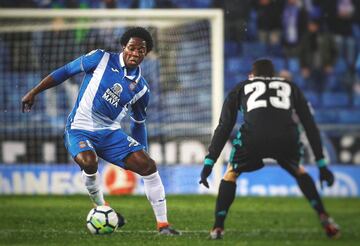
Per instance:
{"type": "Point", "coordinates": [316, 43]}
{"type": "Point", "coordinates": [323, 37]}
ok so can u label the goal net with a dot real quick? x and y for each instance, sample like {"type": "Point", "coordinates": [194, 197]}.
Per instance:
{"type": "Point", "coordinates": [184, 71]}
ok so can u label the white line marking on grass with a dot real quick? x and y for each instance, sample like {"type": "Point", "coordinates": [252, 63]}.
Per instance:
{"type": "Point", "coordinates": [247, 232]}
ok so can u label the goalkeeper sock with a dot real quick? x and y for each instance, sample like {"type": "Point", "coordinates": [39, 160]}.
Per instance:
{"type": "Point", "coordinates": [92, 183]}
{"type": "Point", "coordinates": [155, 193]}
{"type": "Point", "coordinates": [224, 200]}
{"type": "Point", "coordinates": [308, 188]}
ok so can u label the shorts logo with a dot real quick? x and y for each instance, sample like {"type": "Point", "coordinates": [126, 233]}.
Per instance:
{"type": "Point", "coordinates": [132, 141]}
{"type": "Point", "coordinates": [83, 144]}
{"type": "Point", "coordinates": [112, 95]}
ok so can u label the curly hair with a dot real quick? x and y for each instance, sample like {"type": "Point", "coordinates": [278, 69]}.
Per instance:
{"type": "Point", "coordinates": [138, 32]}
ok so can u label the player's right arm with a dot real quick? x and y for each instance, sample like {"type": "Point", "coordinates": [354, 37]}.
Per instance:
{"type": "Point", "coordinates": [226, 124]}
{"type": "Point", "coordinates": [85, 63]}
{"type": "Point", "coordinates": [222, 133]}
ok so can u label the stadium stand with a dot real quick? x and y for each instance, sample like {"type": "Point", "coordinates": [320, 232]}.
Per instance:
{"type": "Point", "coordinates": [337, 103]}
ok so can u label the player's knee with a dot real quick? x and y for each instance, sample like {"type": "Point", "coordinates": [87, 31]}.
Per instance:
{"type": "Point", "coordinates": [148, 167]}
{"type": "Point", "coordinates": [230, 176]}
{"type": "Point", "coordinates": [88, 161]}
{"type": "Point", "coordinates": [300, 172]}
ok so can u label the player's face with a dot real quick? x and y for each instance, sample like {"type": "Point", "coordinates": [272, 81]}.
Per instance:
{"type": "Point", "coordinates": [134, 52]}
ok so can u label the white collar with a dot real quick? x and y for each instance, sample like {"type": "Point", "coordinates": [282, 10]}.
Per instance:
{"type": "Point", "coordinates": [135, 77]}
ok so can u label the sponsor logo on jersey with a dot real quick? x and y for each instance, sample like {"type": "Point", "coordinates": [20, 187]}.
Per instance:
{"type": "Point", "coordinates": [112, 95]}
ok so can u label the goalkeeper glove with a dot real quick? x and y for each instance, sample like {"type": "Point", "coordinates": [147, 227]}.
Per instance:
{"type": "Point", "coordinates": [325, 174]}
{"type": "Point", "coordinates": [206, 171]}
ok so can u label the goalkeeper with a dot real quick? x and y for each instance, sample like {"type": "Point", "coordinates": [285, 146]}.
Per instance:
{"type": "Point", "coordinates": [270, 130]}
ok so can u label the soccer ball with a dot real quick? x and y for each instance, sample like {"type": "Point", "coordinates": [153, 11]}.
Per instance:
{"type": "Point", "coordinates": [102, 220]}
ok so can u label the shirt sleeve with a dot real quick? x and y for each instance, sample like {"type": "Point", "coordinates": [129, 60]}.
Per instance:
{"type": "Point", "coordinates": [138, 112]}
{"type": "Point", "coordinates": [85, 63]}
{"type": "Point", "coordinates": [90, 61]}
{"type": "Point", "coordinates": [138, 117]}
{"type": "Point", "coordinates": [302, 109]}
{"type": "Point", "coordinates": [226, 124]}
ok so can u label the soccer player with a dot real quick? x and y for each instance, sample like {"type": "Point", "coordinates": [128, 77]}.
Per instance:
{"type": "Point", "coordinates": [112, 85]}
{"type": "Point", "coordinates": [268, 104]}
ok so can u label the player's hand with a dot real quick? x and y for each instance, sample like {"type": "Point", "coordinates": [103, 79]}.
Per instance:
{"type": "Point", "coordinates": [327, 176]}
{"type": "Point", "coordinates": [206, 171]}
{"type": "Point", "coordinates": [27, 102]}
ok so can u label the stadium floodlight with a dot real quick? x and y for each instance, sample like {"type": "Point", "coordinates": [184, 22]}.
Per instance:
{"type": "Point", "coordinates": [185, 70]}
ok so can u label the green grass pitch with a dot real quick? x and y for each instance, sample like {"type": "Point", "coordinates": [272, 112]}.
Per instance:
{"type": "Point", "coordinates": [60, 220]}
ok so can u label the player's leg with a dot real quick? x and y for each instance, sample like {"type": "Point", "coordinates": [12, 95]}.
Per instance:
{"type": "Point", "coordinates": [226, 196]}
{"type": "Point", "coordinates": [141, 163]}
{"type": "Point", "coordinates": [240, 161]}
{"type": "Point", "coordinates": [125, 152]}
{"type": "Point", "coordinates": [88, 161]}
{"type": "Point", "coordinates": [305, 182]}
{"type": "Point", "coordinates": [308, 188]}
{"type": "Point", "coordinates": [81, 148]}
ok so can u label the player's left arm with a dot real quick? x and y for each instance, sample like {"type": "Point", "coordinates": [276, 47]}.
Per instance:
{"type": "Point", "coordinates": [138, 118]}
{"type": "Point", "coordinates": [313, 134]}
{"type": "Point", "coordinates": [307, 120]}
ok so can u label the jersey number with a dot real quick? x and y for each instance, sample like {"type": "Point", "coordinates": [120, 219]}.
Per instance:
{"type": "Point", "coordinates": [281, 100]}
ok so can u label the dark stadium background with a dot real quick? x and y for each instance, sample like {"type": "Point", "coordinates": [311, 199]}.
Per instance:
{"type": "Point", "coordinates": [253, 29]}
{"type": "Point", "coordinates": [37, 175]}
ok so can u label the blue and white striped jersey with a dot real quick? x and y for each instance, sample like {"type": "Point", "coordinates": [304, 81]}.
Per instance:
{"type": "Point", "coordinates": [107, 92]}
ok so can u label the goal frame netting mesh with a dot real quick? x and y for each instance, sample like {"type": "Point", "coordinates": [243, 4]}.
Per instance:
{"type": "Point", "coordinates": [159, 18]}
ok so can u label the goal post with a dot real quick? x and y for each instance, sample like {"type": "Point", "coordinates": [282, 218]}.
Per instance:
{"type": "Point", "coordinates": [187, 60]}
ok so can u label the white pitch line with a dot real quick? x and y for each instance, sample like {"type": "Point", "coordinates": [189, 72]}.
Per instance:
{"type": "Point", "coordinates": [250, 232]}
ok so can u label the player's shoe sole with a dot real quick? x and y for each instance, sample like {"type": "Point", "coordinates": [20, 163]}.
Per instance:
{"type": "Point", "coordinates": [169, 231]}
{"type": "Point", "coordinates": [216, 233]}
{"type": "Point", "coordinates": [331, 229]}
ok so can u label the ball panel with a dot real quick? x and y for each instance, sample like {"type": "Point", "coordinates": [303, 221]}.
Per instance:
{"type": "Point", "coordinates": [102, 220]}
{"type": "Point", "coordinates": [106, 230]}
{"type": "Point", "coordinates": [92, 211]}
{"type": "Point", "coordinates": [104, 209]}
{"type": "Point", "coordinates": [91, 227]}
{"type": "Point", "coordinates": [113, 219]}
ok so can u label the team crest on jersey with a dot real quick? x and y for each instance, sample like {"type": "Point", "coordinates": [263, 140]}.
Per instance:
{"type": "Point", "coordinates": [112, 95]}
{"type": "Point", "coordinates": [117, 89]}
